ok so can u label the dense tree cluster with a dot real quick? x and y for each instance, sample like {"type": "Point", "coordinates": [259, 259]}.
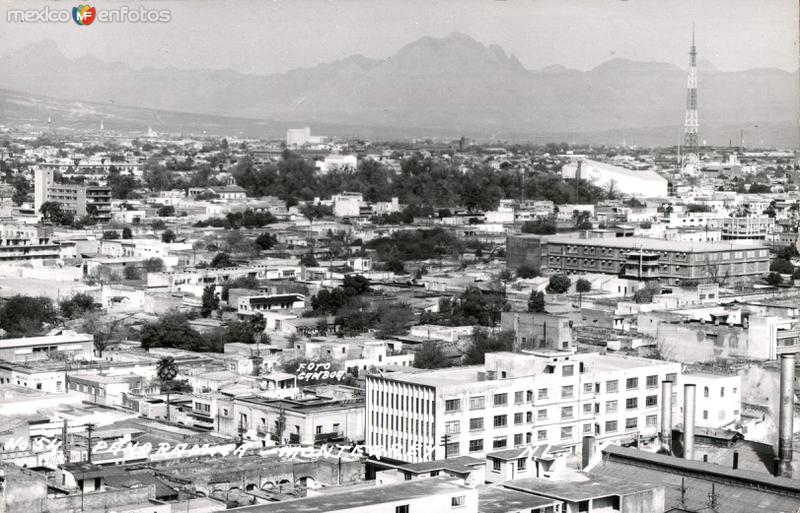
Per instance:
{"type": "Point", "coordinates": [473, 307]}
{"type": "Point", "coordinates": [426, 182]}
{"type": "Point", "coordinates": [236, 220]}
{"type": "Point", "coordinates": [77, 306]}
{"type": "Point", "coordinates": [25, 316]}
{"type": "Point", "coordinates": [415, 245]}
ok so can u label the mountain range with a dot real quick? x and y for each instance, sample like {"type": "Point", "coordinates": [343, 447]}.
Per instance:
{"type": "Point", "coordinates": [448, 86]}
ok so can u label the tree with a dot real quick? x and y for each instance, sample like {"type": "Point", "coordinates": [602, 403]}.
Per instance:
{"type": "Point", "coordinates": [210, 300]}
{"type": "Point", "coordinates": [24, 316]}
{"type": "Point", "coordinates": [540, 227]}
{"type": "Point", "coordinates": [312, 212]}
{"type": "Point", "coordinates": [266, 241]}
{"type": "Point", "coordinates": [132, 273]}
{"type": "Point", "coordinates": [583, 285]}
{"type": "Point", "coordinates": [110, 235]}
{"type": "Point", "coordinates": [166, 371]}
{"type": "Point", "coordinates": [168, 236]}
{"type": "Point", "coordinates": [221, 260]}
{"type": "Point", "coordinates": [166, 211]}
{"type": "Point", "coordinates": [77, 305]}
{"type": "Point", "coordinates": [172, 330]}
{"type": "Point", "coordinates": [774, 279]}
{"type": "Point", "coordinates": [559, 283]}
{"type": "Point", "coordinates": [308, 259]}
{"type": "Point", "coordinates": [393, 320]}
{"type": "Point", "coordinates": [126, 233]}
{"type": "Point", "coordinates": [485, 342]}
{"type": "Point", "coordinates": [527, 271]}
{"type": "Point", "coordinates": [430, 356]}
{"type": "Point", "coordinates": [536, 302]}
{"type": "Point", "coordinates": [153, 265]}
{"type": "Point", "coordinates": [644, 295]}
{"type": "Point", "coordinates": [779, 265]}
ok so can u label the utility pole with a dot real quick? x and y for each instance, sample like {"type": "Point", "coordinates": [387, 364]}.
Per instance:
{"type": "Point", "coordinates": [64, 442]}
{"type": "Point", "coordinates": [445, 441]}
{"type": "Point", "coordinates": [89, 427]}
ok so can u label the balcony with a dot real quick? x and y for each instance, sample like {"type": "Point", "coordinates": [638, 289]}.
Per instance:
{"type": "Point", "coordinates": [333, 436]}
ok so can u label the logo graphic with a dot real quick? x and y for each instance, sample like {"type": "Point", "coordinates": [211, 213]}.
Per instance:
{"type": "Point", "coordinates": [83, 14]}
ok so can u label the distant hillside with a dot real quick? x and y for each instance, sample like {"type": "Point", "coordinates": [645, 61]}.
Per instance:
{"type": "Point", "coordinates": [434, 86]}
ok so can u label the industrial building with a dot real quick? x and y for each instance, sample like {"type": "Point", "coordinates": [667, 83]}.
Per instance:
{"type": "Point", "coordinates": [646, 183]}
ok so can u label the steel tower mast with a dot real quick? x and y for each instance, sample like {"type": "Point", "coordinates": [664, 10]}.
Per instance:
{"type": "Point", "coordinates": [691, 124]}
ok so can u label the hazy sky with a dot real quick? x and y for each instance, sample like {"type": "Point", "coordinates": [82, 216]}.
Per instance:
{"type": "Point", "coordinates": [274, 36]}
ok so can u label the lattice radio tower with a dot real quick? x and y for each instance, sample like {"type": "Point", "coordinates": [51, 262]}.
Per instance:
{"type": "Point", "coordinates": [691, 124]}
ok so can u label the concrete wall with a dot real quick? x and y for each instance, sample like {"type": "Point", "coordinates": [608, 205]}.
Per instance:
{"type": "Point", "coordinates": [643, 502]}
{"type": "Point", "coordinates": [523, 250]}
{"type": "Point", "coordinates": [103, 501]}
{"type": "Point", "coordinates": [21, 492]}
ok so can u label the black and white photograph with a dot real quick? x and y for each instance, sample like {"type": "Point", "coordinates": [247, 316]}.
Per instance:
{"type": "Point", "coordinates": [399, 256]}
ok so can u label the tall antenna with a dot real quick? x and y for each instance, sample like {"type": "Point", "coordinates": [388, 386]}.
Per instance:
{"type": "Point", "coordinates": [691, 123]}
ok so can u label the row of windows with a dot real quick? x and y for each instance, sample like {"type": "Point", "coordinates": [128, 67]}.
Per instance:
{"type": "Point", "coordinates": [400, 423]}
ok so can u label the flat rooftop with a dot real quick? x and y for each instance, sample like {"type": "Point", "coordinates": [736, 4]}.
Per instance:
{"type": "Point", "coordinates": [364, 498]}
{"type": "Point", "coordinates": [647, 244]}
{"type": "Point", "coordinates": [583, 488]}
{"type": "Point", "coordinates": [496, 499]}
{"type": "Point", "coordinates": [9, 343]}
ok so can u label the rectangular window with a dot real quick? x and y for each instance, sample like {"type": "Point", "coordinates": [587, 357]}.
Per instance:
{"type": "Point", "coordinates": [567, 391]}
{"type": "Point", "coordinates": [522, 464]}
{"type": "Point", "coordinates": [651, 420]}
{"type": "Point", "coordinates": [499, 442]}
{"type": "Point", "coordinates": [611, 426]}
{"type": "Point", "coordinates": [652, 382]}
{"type": "Point", "coordinates": [500, 399]}
{"type": "Point", "coordinates": [477, 403]}
{"type": "Point", "coordinates": [611, 406]}
{"type": "Point", "coordinates": [457, 502]}
{"type": "Point", "coordinates": [529, 396]}
{"type": "Point", "coordinates": [631, 403]}
{"type": "Point", "coordinates": [631, 383]}
{"type": "Point", "coordinates": [541, 435]}
{"type": "Point", "coordinates": [496, 464]}
{"type": "Point", "coordinates": [705, 414]}
{"type": "Point", "coordinates": [452, 427]}
{"type": "Point", "coordinates": [518, 397]}
{"type": "Point", "coordinates": [568, 370]}
{"type": "Point", "coordinates": [587, 388]}
{"type": "Point", "coordinates": [612, 387]}
{"type": "Point", "coordinates": [452, 405]}
{"type": "Point", "coordinates": [452, 449]}
{"type": "Point", "coordinates": [401, 509]}
{"type": "Point", "coordinates": [566, 432]}
{"type": "Point", "coordinates": [631, 423]}
{"type": "Point", "coordinates": [517, 439]}
{"type": "Point", "coordinates": [651, 400]}
{"type": "Point", "coordinates": [587, 428]}
{"type": "Point", "coordinates": [476, 424]}
{"type": "Point", "coordinates": [528, 417]}
{"type": "Point", "coordinates": [566, 412]}
{"type": "Point", "coordinates": [476, 445]}
{"type": "Point", "coordinates": [518, 418]}
{"type": "Point", "coordinates": [672, 377]}
{"type": "Point", "coordinates": [541, 415]}
{"type": "Point", "coordinates": [500, 421]}
{"type": "Point", "coordinates": [542, 393]}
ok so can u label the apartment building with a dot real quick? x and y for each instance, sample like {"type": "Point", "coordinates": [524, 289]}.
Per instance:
{"type": "Point", "coordinates": [81, 200]}
{"type": "Point", "coordinates": [253, 305]}
{"type": "Point", "coordinates": [747, 228]}
{"type": "Point", "coordinates": [517, 400]}
{"type": "Point", "coordinates": [22, 243]}
{"type": "Point", "coordinates": [653, 259]}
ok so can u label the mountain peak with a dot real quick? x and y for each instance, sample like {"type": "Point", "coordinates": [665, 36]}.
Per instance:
{"type": "Point", "coordinates": [453, 53]}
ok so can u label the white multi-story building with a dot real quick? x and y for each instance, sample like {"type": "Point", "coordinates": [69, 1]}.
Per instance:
{"type": "Point", "coordinates": [718, 398]}
{"type": "Point", "coordinates": [517, 400]}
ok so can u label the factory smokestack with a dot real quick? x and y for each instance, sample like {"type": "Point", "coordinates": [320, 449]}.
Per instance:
{"type": "Point", "coordinates": [666, 418]}
{"type": "Point", "coordinates": [688, 421]}
{"type": "Point", "coordinates": [785, 427]}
